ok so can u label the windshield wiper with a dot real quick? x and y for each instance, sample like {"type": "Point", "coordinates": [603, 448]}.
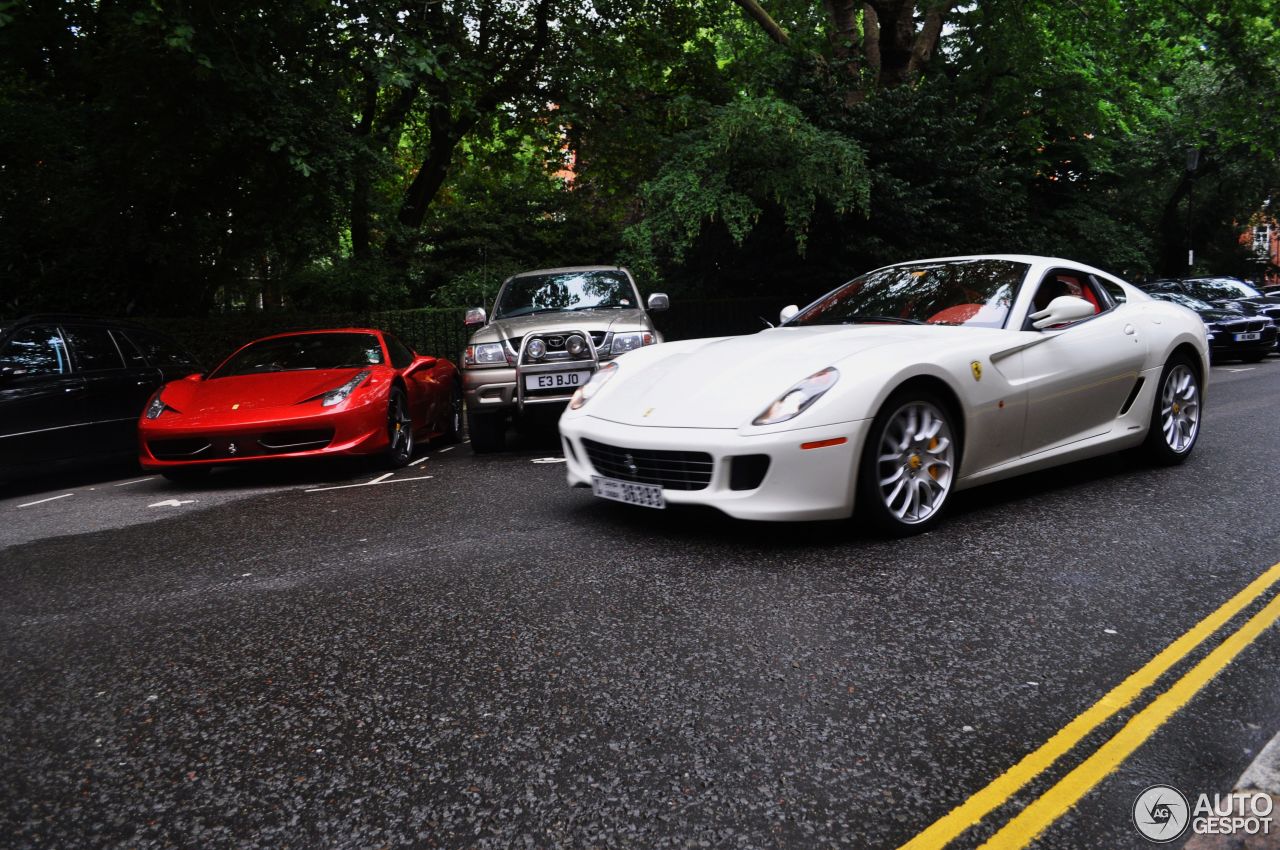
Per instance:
{"type": "Point", "coordinates": [873, 320]}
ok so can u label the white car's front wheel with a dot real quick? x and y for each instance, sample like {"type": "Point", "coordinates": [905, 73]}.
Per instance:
{"type": "Point", "coordinates": [908, 464]}
{"type": "Point", "coordinates": [1175, 416]}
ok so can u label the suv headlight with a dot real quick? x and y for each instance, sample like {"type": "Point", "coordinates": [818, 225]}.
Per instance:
{"type": "Point", "coordinates": [341, 394]}
{"type": "Point", "coordinates": [485, 354]}
{"type": "Point", "coordinates": [587, 391]}
{"type": "Point", "coordinates": [797, 400]}
{"type": "Point", "coordinates": [622, 343]}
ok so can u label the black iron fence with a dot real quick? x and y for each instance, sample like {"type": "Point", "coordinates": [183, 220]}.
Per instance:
{"type": "Point", "coordinates": [440, 332]}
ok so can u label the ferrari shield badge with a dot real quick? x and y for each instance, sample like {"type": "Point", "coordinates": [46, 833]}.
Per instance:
{"type": "Point", "coordinates": [976, 366]}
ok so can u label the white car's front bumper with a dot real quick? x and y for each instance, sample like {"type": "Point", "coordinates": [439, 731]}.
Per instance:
{"type": "Point", "coordinates": [800, 484]}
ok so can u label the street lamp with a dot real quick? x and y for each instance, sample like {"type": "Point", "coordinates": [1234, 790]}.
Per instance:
{"type": "Point", "coordinates": [1193, 164]}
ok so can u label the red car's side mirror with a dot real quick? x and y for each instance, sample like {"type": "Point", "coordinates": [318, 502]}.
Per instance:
{"type": "Point", "coordinates": [420, 363]}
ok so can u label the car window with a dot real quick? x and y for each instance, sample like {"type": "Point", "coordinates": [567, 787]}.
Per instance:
{"type": "Point", "coordinates": [1218, 288]}
{"type": "Point", "coordinates": [542, 293]}
{"type": "Point", "coordinates": [160, 350]}
{"type": "Point", "coordinates": [401, 354]}
{"type": "Point", "coordinates": [132, 355]}
{"type": "Point", "coordinates": [969, 293]}
{"type": "Point", "coordinates": [300, 352]}
{"type": "Point", "coordinates": [1115, 290]}
{"type": "Point", "coordinates": [36, 350]}
{"type": "Point", "coordinates": [93, 348]}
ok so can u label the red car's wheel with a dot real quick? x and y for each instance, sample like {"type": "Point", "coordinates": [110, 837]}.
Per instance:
{"type": "Point", "coordinates": [399, 430]}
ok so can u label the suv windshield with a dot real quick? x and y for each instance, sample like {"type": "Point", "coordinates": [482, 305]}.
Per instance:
{"type": "Point", "coordinates": [974, 293]}
{"type": "Point", "coordinates": [304, 351]}
{"type": "Point", "coordinates": [1219, 288]}
{"type": "Point", "coordinates": [565, 291]}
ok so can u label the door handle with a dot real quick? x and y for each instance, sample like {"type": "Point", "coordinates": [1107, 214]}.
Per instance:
{"type": "Point", "coordinates": [1130, 330]}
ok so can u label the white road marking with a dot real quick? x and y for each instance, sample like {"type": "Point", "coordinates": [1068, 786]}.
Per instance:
{"type": "Point", "coordinates": [134, 481]}
{"type": "Point", "coordinates": [50, 499]}
{"type": "Point", "coordinates": [422, 459]}
{"type": "Point", "coordinates": [382, 477]}
{"type": "Point", "coordinates": [369, 484]}
{"type": "Point", "coordinates": [446, 449]}
{"type": "Point", "coordinates": [547, 460]}
{"type": "Point", "coordinates": [1245, 369]}
{"type": "Point", "coordinates": [172, 503]}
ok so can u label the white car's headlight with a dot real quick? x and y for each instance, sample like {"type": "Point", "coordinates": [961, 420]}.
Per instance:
{"type": "Point", "coordinates": [796, 400]}
{"type": "Point", "coordinates": [341, 394]}
{"type": "Point", "coordinates": [485, 354]}
{"type": "Point", "coordinates": [622, 343]}
{"type": "Point", "coordinates": [587, 391]}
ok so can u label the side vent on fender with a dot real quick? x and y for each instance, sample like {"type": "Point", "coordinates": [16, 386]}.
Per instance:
{"type": "Point", "coordinates": [1133, 396]}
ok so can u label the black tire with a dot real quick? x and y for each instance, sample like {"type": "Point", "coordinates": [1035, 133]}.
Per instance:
{"type": "Point", "coordinates": [399, 431]}
{"type": "Point", "coordinates": [1160, 446]}
{"type": "Point", "coordinates": [488, 432]}
{"type": "Point", "coordinates": [453, 428]}
{"type": "Point", "coordinates": [912, 466]}
{"type": "Point", "coordinates": [187, 475]}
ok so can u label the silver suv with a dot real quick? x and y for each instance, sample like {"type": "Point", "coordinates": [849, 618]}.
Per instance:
{"type": "Point", "coordinates": [550, 329]}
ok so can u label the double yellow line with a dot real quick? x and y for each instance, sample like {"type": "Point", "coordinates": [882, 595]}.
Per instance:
{"type": "Point", "coordinates": [1053, 803]}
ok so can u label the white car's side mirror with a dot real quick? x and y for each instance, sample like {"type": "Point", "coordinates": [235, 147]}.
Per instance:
{"type": "Point", "coordinates": [1061, 310]}
{"type": "Point", "coordinates": [474, 317]}
{"type": "Point", "coordinates": [787, 313]}
{"type": "Point", "coordinates": [658, 301]}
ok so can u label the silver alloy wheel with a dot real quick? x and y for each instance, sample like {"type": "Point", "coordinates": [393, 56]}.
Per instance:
{"type": "Point", "coordinates": [916, 462]}
{"type": "Point", "coordinates": [1180, 408]}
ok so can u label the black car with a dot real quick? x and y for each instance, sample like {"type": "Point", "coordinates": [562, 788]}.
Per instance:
{"type": "Point", "coordinates": [1228, 293]}
{"type": "Point", "coordinates": [72, 388]}
{"type": "Point", "coordinates": [1232, 335]}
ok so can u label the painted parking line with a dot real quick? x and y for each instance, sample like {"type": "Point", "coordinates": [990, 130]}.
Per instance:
{"type": "Point", "coordinates": [382, 478]}
{"type": "Point", "coordinates": [1052, 804]}
{"type": "Point", "coordinates": [446, 449]}
{"type": "Point", "coordinates": [969, 813]}
{"type": "Point", "coordinates": [42, 501]}
{"type": "Point", "coordinates": [134, 481]}
{"type": "Point", "coordinates": [422, 459]}
{"type": "Point", "coordinates": [374, 483]}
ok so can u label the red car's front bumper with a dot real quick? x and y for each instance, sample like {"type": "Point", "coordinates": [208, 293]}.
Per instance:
{"type": "Point", "coordinates": [175, 440]}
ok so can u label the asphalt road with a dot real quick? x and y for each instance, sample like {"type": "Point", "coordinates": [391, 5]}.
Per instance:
{"type": "Point", "coordinates": [469, 654]}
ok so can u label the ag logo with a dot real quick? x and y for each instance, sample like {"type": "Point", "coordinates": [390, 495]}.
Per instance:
{"type": "Point", "coordinates": [1161, 814]}
{"type": "Point", "coordinates": [976, 366]}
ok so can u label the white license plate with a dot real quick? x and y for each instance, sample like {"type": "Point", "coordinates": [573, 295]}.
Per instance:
{"type": "Point", "coordinates": [1249, 337]}
{"type": "Point", "coordinates": [556, 380]}
{"type": "Point", "coordinates": [647, 495]}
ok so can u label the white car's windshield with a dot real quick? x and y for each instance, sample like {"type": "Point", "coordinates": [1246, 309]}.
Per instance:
{"type": "Point", "coordinates": [973, 293]}
{"type": "Point", "coordinates": [546, 293]}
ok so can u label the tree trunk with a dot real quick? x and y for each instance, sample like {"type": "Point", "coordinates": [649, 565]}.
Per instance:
{"type": "Point", "coordinates": [766, 22]}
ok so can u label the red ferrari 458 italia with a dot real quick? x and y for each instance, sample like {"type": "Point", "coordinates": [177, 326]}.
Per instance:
{"type": "Point", "coordinates": [351, 391]}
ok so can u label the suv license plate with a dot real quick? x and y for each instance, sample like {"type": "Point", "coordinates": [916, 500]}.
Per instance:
{"type": "Point", "coordinates": [646, 495]}
{"type": "Point", "coordinates": [556, 380]}
{"type": "Point", "coordinates": [1249, 337]}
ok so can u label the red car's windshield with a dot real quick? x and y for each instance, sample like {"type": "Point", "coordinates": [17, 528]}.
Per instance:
{"type": "Point", "coordinates": [304, 351]}
{"type": "Point", "coordinates": [974, 293]}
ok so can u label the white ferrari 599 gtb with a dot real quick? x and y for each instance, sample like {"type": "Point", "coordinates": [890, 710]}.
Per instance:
{"type": "Point", "coordinates": [893, 391]}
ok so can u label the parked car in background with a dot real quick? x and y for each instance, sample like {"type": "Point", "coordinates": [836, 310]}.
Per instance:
{"type": "Point", "coordinates": [72, 388]}
{"type": "Point", "coordinates": [1228, 293]}
{"type": "Point", "coordinates": [346, 391]}
{"type": "Point", "coordinates": [893, 391]}
{"type": "Point", "coordinates": [549, 331]}
{"type": "Point", "coordinates": [1232, 335]}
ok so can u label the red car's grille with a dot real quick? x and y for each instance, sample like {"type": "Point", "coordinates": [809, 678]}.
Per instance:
{"type": "Point", "coordinates": [241, 445]}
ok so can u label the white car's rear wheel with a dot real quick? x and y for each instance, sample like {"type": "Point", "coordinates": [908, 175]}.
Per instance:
{"type": "Point", "coordinates": [908, 464]}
